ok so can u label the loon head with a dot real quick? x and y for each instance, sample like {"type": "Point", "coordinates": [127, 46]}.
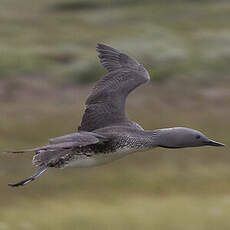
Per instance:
{"type": "Point", "coordinates": [180, 137]}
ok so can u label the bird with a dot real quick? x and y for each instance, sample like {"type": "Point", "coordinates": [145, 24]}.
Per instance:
{"type": "Point", "coordinates": [105, 132]}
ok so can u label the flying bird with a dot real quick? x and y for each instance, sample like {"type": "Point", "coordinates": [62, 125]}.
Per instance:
{"type": "Point", "coordinates": [105, 133]}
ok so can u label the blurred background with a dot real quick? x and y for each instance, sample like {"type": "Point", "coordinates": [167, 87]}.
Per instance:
{"type": "Point", "coordinates": [48, 65]}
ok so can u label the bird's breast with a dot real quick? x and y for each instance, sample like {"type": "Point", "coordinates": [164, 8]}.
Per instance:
{"type": "Point", "coordinates": [95, 159]}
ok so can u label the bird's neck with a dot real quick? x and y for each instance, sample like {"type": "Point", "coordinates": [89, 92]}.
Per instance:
{"type": "Point", "coordinates": [170, 138]}
{"type": "Point", "coordinates": [161, 138]}
{"type": "Point", "coordinates": [151, 138]}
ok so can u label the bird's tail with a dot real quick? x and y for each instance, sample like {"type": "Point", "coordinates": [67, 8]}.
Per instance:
{"type": "Point", "coordinates": [48, 154]}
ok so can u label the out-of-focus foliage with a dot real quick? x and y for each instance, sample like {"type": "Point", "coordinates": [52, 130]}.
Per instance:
{"type": "Point", "coordinates": [57, 38]}
{"type": "Point", "coordinates": [161, 189]}
{"type": "Point", "coordinates": [48, 49]}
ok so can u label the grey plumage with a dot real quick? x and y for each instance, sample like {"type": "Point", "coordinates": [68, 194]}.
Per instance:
{"type": "Point", "coordinates": [31, 178]}
{"type": "Point", "coordinates": [59, 147]}
{"type": "Point", "coordinates": [106, 104]}
{"type": "Point", "coordinates": [105, 132]}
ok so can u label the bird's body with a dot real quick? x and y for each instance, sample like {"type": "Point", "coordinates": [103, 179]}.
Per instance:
{"type": "Point", "coordinates": [95, 157]}
{"type": "Point", "coordinates": [118, 141]}
{"type": "Point", "coordinates": [105, 133]}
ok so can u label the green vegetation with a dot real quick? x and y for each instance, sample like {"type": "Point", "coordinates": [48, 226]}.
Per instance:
{"type": "Point", "coordinates": [56, 38]}
{"type": "Point", "coordinates": [160, 189]}
{"type": "Point", "coordinates": [48, 48]}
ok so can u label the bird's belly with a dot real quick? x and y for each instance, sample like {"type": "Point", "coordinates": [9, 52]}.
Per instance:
{"type": "Point", "coordinates": [99, 158]}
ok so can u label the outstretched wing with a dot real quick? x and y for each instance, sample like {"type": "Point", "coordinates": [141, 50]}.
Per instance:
{"type": "Point", "coordinates": [60, 146]}
{"type": "Point", "coordinates": [49, 155]}
{"type": "Point", "coordinates": [106, 103]}
{"type": "Point", "coordinates": [81, 138]}
{"type": "Point", "coordinates": [68, 141]}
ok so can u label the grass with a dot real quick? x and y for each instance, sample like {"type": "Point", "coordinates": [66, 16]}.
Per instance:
{"type": "Point", "coordinates": [160, 189]}
{"type": "Point", "coordinates": [48, 54]}
{"type": "Point", "coordinates": [132, 213]}
{"type": "Point", "coordinates": [56, 39]}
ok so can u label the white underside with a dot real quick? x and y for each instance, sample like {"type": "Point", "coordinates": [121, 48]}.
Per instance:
{"type": "Point", "coordinates": [99, 159]}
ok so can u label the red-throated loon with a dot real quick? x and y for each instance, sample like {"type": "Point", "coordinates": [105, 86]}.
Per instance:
{"type": "Point", "coordinates": [105, 132]}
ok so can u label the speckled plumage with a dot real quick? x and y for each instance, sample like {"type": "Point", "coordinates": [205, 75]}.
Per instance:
{"type": "Point", "coordinates": [105, 133]}
{"type": "Point", "coordinates": [119, 141]}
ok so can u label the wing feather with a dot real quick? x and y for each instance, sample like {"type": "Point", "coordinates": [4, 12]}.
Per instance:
{"type": "Point", "coordinates": [106, 104]}
{"type": "Point", "coordinates": [112, 59]}
{"type": "Point", "coordinates": [60, 146]}
{"type": "Point", "coordinates": [81, 138]}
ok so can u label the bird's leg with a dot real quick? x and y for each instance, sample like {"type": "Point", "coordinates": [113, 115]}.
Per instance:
{"type": "Point", "coordinates": [31, 178]}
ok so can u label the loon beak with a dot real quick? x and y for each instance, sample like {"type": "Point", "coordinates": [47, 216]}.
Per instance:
{"type": "Point", "coordinates": [214, 143]}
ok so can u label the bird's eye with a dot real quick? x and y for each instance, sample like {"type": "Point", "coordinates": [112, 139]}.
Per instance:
{"type": "Point", "coordinates": [197, 136]}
